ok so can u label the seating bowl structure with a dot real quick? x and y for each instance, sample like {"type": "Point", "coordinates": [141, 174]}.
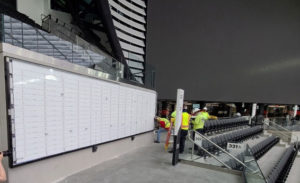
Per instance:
{"type": "Point", "coordinates": [235, 136]}
{"type": "Point", "coordinates": [281, 170]}
{"type": "Point", "coordinates": [261, 148]}
{"type": "Point", "coordinates": [224, 124]}
{"type": "Point", "coordinates": [236, 130]}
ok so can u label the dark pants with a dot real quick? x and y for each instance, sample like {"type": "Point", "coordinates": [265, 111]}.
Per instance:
{"type": "Point", "coordinates": [200, 131]}
{"type": "Point", "coordinates": [183, 134]}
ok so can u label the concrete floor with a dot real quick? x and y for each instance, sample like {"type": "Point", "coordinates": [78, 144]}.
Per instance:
{"type": "Point", "coordinates": [149, 164]}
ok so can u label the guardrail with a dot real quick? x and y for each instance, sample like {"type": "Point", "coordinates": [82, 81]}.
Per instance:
{"type": "Point", "coordinates": [283, 134]}
{"type": "Point", "coordinates": [218, 147]}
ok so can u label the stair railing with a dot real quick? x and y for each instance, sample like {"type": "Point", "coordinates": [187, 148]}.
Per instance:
{"type": "Point", "coordinates": [220, 148]}
{"type": "Point", "coordinates": [212, 155]}
{"type": "Point", "coordinates": [285, 129]}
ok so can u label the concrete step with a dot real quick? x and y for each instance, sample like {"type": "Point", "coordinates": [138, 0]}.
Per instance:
{"type": "Point", "coordinates": [269, 160]}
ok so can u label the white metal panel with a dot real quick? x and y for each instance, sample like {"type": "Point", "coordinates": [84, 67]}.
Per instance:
{"type": "Point", "coordinates": [84, 105]}
{"type": "Point", "coordinates": [29, 112]}
{"type": "Point", "coordinates": [114, 113]}
{"type": "Point", "coordinates": [140, 111]}
{"type": "Point", "coordinates": [150, 114]}
{"type": "Point", "coordinates": [96, 112]}
{"type": "Point", "coordinates": [127, 21]}
{"type": "Point", "coordinates": [133, 56]}
{"type": "Point", "coordinates": [133, 111]}
{"type": "Point", "coordinates": [58, 111]}
{"type": "Point", "coordinates": [132, 48]}
{"type": "Point", "coordinates": [130, 39]}
{"type": "Point", "coordinates": [70, 111]}
{"type": "Point", "coordinates": [137, 72]}
{"type": "Point", "coordinates": [53, 91]}
{"type": "Point", "coordinates": [140, 2]}
{"type": "Point", "coordinates": [128, 109]}
{"type": "Point", "coordinates": [133, 7]}
{"type": "Point", "coordinates": [122, 112]}
{"type": "Point", "coordinates": [126, 12]}
{"type": "Point", "coordinates": [137, 65]}
{"type": "Point", "coordinates": [19, 116]}
{"type": "Point", "coordinates": [145, 112]}
{"type": "Point", "coordinates": [106, 109]}
{"type": "Point", "coordinates": [128, 29]}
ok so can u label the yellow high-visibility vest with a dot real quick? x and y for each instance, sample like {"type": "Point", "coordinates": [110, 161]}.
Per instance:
{"type": "Point", "coordinates": [199, 121]}
{"type": "Point", "coordinates": [173, 116]}
{"type": "Point", "coordinates": [167, 122]}
{"type": "Point", "coordinates": [185, 121]}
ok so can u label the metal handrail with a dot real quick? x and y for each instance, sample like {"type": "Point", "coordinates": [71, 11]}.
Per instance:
{"type": "Point", "coordinates": [223, 150]}
{"type": "Point", "coordinates": [282, 128]}
{"type": "Point", "coordinates": [292, 135]}
{"type": "Point", "coordinates": [216, 158]}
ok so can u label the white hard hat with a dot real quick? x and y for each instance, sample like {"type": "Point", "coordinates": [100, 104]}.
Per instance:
{"type": "Point", "coordinates": [205, 108]}
{"type": "Point", "coordinates": [195, 110]}
{"type": "Point", "coordinates": [238, 114]}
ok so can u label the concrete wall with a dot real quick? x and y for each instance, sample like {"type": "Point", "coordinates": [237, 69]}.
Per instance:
{"type": "Point", "coordinates": [35, 8]}
{"type": "Point", "coordinates": [233, 50]}
{"type": "Point", "coordinates": [32, 8]}
{"type": "Point", "coordinates": [56, 168]}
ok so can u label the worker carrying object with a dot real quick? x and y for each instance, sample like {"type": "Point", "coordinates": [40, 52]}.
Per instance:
{"type": "Point", "coordinates": [184, 127]}
{"type": "Point", "coordinates": [206, 114]}
{"type": "Point", "coordinates": [164, 125]}
{"type": "Point", "coordinates": [198, 124]}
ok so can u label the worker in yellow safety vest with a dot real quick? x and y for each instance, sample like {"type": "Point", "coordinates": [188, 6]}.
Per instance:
{"type": "Point", "coordinates": [164, 125]}
{"type": "Point", "coordinates": [198, 124]}
{"type": "Point", "coordinates": [184, 127]}
{"type": "Point", "coordinates": [207, 115]}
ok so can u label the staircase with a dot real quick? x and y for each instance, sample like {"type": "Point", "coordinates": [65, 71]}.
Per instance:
{"type": "Point", "coordinates": [260, 156]}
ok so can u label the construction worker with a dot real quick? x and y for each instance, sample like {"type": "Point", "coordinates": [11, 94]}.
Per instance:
{"type": "Point", "coordinates": [198, 124]}
{"type": "Point", "coordinates": [184, 127]}
{"type": "Point", "coordinates": [164, 125]}
{"type": "Point", "coordinates": [206, 114]}
{"type": "Point", "coordinates": [173, 116]}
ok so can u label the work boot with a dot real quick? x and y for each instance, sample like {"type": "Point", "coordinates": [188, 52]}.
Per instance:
{"type": "Point", "coordinates": [156, 141]}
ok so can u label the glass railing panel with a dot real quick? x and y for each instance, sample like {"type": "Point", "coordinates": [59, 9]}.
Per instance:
{"type": "Point", "coordinates": [211, 152]}
{"type": "Point", "coordinates": [23, 35]}
{"type": "Point", "coordinates": [252, 173]}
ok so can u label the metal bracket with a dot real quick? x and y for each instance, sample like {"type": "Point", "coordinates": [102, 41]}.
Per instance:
{"type": "Point", "coordinates": [94, 148]}
{"type": "Point", "coordinates": [132, 138]}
